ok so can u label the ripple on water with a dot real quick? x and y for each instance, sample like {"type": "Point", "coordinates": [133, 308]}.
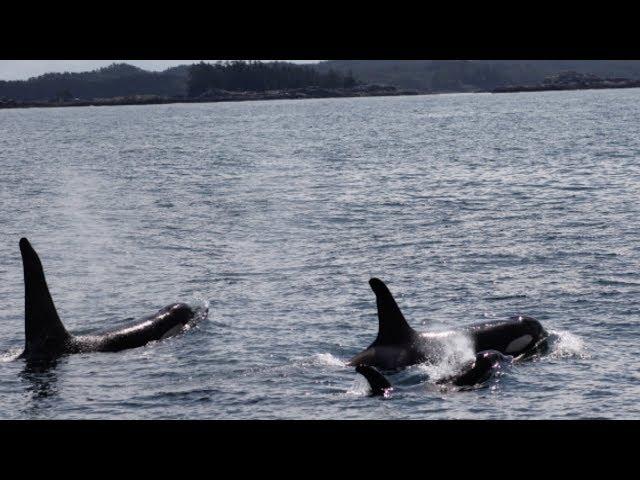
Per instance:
{"type": "Point", "coordinates": [278, 213]}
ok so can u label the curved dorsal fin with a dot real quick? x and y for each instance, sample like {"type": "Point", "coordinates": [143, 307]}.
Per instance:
{"type": "Point", "coordinates": [377, 382]}
{"type": "Point", "coordinates": [43, 328]}
{"type": "Point", "coordinates": [393, 329]}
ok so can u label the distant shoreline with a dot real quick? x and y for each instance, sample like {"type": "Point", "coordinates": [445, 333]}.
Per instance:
{"type": "Point", "coordinates": [221, 96]}
{"type": "Point", "coordinates": [571, 81]}
{"type": "Point", "coordinates": [525, 89]}
{"type": "Point", "coordinates": [285, 95]}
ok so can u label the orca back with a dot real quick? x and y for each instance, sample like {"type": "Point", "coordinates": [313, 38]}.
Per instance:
{"type": "Point", "coordinates": [483, 368]}
{"type": "Point", "coordinates": [46, 337]}
{"type": "Point", "coordinates": [517, 336]}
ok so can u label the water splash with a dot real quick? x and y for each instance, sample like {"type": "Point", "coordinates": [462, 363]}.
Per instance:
{"type": "Point", "coordinates": [328, 359]}
{"type": "Point", "coordinates": [457, 350]}
{"type": "Point", "coordinates": [359, 388]}
{"type": "Point", "coordinates": [200, 313]}
{"type": "Point", "coordinates": [564, 344]}
{"type": "Point", "coordinates": [201, 310]}
{"type": "Point", "coordinates": [11, 355]}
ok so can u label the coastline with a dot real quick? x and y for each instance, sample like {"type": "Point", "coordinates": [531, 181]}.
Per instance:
{"type": "Point", "coordinates": [289, 95]}
{"type": "Point", "coordinates": [573, 84]}
{"type": "Point", "coordinates": [220, 96]}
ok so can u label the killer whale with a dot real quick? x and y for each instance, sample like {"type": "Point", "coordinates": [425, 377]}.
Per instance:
{"type": "Point", "coordinates": [47, 338]}
{"type": "Point", "coordinates": [398, 345]}
{"type": "Point", "coordinates": [485, 365]}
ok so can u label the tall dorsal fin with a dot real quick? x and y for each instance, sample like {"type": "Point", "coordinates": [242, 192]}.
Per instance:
{"type": "Point", "coordinates": [393, 329]}
{"type": "Point", "coordinates": [43, 328]}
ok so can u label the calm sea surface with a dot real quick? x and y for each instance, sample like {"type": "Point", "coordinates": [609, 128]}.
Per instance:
{"type": "Point", "coordinates": [471, 207]}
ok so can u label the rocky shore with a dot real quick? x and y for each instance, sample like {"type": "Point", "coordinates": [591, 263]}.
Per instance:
{"type": "Point", "coordinates": [571, 81]}
{"type": "Point", "coordinates": [218, 96]}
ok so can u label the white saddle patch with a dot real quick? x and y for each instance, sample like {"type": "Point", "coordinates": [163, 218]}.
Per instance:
{"type": "Point", "coordinates": [172, 331]}
{"type": "Point", "coordinates": [519, 343]}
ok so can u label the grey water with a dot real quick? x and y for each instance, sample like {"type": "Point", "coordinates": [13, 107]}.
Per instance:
{"type": "Point", "coordinates": [275, 214]}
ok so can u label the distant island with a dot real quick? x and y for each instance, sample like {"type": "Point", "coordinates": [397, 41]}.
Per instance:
{"type": "Point", "coordinates": [571, 81]}
{"type": "Point", "coordinates": [203, 82]}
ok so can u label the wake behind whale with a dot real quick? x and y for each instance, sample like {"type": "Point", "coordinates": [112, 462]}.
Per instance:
{"type": "Point", "coordinates": [47, 338]}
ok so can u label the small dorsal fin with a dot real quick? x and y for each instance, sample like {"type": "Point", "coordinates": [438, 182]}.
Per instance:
{"type": "Point", "coordinates": [43, 328]}
{"type": "Point", "coordinates": [377, 382]}
{"type": "Point", "coordinates": [393, 329]}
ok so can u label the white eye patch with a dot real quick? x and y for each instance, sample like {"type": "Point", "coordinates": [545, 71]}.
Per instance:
{"type": "Point", "coordinates": [519, 343]}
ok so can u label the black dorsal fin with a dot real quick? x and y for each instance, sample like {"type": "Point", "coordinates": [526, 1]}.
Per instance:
{"type": "Point", "coordinates": [377, 382]}
{"type": "Point", "coordinates": [393, 329]}
{"type": "Point", "coordinates": [43, 328]}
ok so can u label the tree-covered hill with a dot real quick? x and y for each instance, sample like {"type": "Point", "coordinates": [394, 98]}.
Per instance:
{"type": "Point", "coordinates": [113, 81]}
{"type": "Point", "coordinates": [257, 76]}
{"type": "Point", "coordinates": [122, 80]}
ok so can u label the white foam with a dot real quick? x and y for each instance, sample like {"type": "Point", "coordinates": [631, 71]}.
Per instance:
{"type": "Point", "coordinates": [201, 312]}
{"type": "Point", "coordinates": [328, 359]}
{"type": "Point", "coordinates": [11, 355]}
{"type": "Point", "coordinates": [202, 309]}
{"type": "Point", "coordinates": [457, 351]}
{"type": "Point", "coordinates": [565, 344]}
{"type": "Point", "coordinates": [359, 388]}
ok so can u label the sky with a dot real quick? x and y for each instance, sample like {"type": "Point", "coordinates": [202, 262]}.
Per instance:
{"type": "Point", "coordinates": [23, 69]}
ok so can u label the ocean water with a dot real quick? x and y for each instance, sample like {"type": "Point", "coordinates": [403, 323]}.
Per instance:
{"type": "Point", "coordinates": [471, 207]}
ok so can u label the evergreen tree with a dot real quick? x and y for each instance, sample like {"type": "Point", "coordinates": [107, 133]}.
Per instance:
{"type": "Point", "coordinates": [257, 76]}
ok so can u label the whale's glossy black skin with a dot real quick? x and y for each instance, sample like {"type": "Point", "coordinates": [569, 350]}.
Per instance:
{"type": "Point", "coordinates": [482, 369]}
{"type": "Point", "coordinates": [378, 384]}
{"type": "Point", "coordinates": [476, 373]}
{"type": "Point", "coordinates": [47, 338]}
{"type": "Point", "coordinates": [398, 345]}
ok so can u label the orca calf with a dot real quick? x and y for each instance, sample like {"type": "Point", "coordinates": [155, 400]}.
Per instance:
{"type": "Point", "coordinates": [398, 345]}
{"type": "Point", "coordinates": [483, 368]}
{"type": "Point", "coordinates": [377, 382]}
{"type": "Point", "coordinates": [478, 372]}
{"type": "Point", "coordinates": [46, 337]}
